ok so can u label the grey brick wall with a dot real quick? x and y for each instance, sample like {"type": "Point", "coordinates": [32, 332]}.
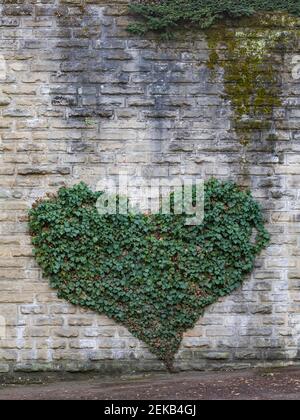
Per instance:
{"type": "Point", "coordinates": [81, 99]}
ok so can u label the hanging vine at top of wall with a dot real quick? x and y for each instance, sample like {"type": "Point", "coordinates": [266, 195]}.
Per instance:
{"type": "Point", "coordinates": [167, 15]}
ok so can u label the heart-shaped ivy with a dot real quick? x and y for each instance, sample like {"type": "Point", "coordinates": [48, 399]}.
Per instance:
{"type": "Point", "coordinates": [151, 273]}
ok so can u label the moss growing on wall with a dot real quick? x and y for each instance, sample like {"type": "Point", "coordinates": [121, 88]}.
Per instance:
{"type": "Point", "coordinates": [251, 55]}
{"type": "Point", "coordinates": [255, 38]}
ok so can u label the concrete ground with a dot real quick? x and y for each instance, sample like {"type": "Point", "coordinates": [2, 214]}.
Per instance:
{"type": "Point", "coordinates": [256, 384]}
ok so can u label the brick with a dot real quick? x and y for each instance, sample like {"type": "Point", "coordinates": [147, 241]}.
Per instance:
{"type": "Point", "coordinates": [81, 99]}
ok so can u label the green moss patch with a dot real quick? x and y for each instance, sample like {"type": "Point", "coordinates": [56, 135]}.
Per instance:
{"type": "Point", "coordinates": [255, 34]}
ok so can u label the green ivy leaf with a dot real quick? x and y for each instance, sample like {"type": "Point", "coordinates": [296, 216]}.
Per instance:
{"type": "Point", "coordinates": [153, 274]}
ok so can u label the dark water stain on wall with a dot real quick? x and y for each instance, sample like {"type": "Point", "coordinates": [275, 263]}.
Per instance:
{"type": "Point", "coordinates": [162, 108]}
{"type": "Point", "coordinates": [157, 95]}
